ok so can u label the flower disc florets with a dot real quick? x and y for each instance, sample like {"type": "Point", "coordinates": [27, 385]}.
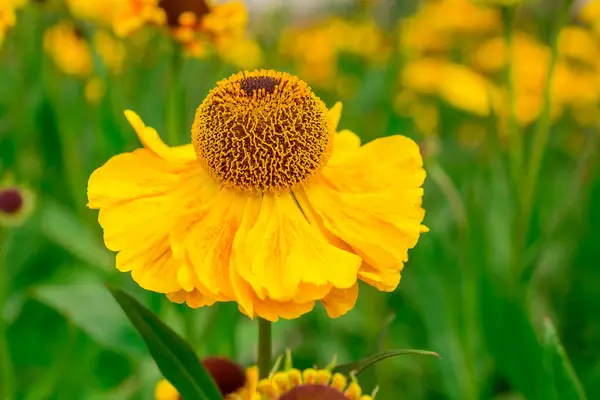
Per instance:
{"type": "Point", "coordinates": [262, 131]}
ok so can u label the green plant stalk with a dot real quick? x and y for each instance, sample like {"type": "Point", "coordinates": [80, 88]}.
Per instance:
{"type": "Point", "coordinates": [174, 97]}
{"type": "Point", "coordinates": [540, 135]}
{"type": "Point", "coordinates": [6, 375]}
{"type": "Point", "coordinates": [515, 137]}
{"type": "Point", "coordinates": [264, 347]}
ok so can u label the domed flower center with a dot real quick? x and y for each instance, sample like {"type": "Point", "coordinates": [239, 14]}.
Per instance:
{"type": "Point", "coordinates": [262, 131]}
{"type": "Point", "coordinates": [174, 8]}
{"type": "Point", "coordinates": [313, 392]}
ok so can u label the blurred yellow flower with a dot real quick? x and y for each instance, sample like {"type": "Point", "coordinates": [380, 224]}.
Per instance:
{"type": "Point", "coordinates": [328, 39]}
{"type": "Point", "coordinates": [577, 43]}
{"type": "Point", "coordinates": [242, 52]}
{"type": "Point", "coordinates": [8, 17]}
{"type": "Point", "coordinates": [111, 51]}
{"type": "Point", "coordinates": [458, 85]}
{"type": "Point", "coordinates": [274, 230]}
{"type": "Point", "coordinates": [69, 50]}
{"type": "Point", "coordinates": [440, 23]}
{"type": "Point", "coordinates": [94, 90]}
{"type": "Point", "coordinates": [16, 204]}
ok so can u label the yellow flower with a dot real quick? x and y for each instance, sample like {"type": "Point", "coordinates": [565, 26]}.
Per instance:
{"type": "Point", "coordinates": [69, 50]}
{"type": "Point", "coordinates": [269, 207]}
{"type": "Point", "coordinates": [111, 51]}
{"type": "Point", "coordinates": [314, 384]}
{"type": "Point", "coordinates": [578, 44]}
{"type": "Point", "coordinates": [94, 90]}
{"type": "Point", "coordinates": [457, 84]}
{"type": "Point", "coordinates": [290, 384]}
{"type": "Point", "coordinates": [16, 204]}
{"type": "Point", "coordinates": [8, 17]}
{"type": "Point", "coordinates": [327, 40]}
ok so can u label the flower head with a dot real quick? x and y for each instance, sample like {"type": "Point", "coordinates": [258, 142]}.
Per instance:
{"type": "Point", "coordinates": [69, 50]}
{"type": "Point", "coordinates": [289, 384]}
{"type": "Point", "coordinates": [16, 204]}
{"type": "Point", "coordinates": [269, 207]}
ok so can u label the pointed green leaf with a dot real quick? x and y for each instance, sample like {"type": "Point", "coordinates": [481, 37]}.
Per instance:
{"type": "Point", "coordinates": [565, 382]}
{"type": "Point", "coordinates": [357, 367]}
{"type": "Point", "coordinates": [173, 355]}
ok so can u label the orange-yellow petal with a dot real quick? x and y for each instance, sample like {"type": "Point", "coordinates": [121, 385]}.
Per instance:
{"type": "Point", "coordinates": [140, 195]}
{"type": "Point", "coordinates": [280, 250]}
{"type": "Point", "coordinates": [339, 301]}
{"type": "Point", "coordinates": [372, 202]}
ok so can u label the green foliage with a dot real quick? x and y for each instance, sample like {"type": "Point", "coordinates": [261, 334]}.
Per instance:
{"type": "Point", "coordinates": [173, 355]}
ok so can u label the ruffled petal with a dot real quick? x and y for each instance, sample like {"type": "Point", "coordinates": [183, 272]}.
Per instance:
{"type": "Point", "coordinates": [194, 298]}
{"type": "Point", "coordinates": [277, 250]}
{"type": "Point", "coordinates": [140, 195]}
{"type": "Point", "coordinates": [204, 238]}
{"type": "Point", "coordinates": [371, 200]}
{"type": "Point", "coordinates": [339, 301]}
{"type": "Point", "coordinates": [345, 142]}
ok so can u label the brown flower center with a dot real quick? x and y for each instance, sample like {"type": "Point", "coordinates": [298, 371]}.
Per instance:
{"type": "Point", "coordinates": [313, 392]}
{"type": "Point", "coordinates": [174, 8]}
{"type": "Point", "coordinates": [262, 131]}
{"type": "Point", "coordinates": [11, 201]}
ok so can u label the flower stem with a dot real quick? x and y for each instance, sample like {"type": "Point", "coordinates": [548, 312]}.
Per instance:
{"type": "Point", "coordinates": [264, 347]}
{"type": "Point", "coordinates": [515, 138]}
{"type": "Point", "coordinates": [6, 372]}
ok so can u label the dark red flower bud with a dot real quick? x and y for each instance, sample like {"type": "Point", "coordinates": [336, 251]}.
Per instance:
{"type": "Point", "coordinates": [228, 375]}
{"type": "Point", "coordinates": [313, 392]}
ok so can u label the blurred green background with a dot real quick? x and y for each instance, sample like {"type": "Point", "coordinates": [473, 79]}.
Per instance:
{"type": "Point", "coordinates": [512, 192]}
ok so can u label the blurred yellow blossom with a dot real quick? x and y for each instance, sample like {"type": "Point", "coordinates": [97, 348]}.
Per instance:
{"type": "Point", "coordinates": [8, 16]}
{"type": "Point", "coordinates": [327, 39]}
{"type": "Point", "coordinates": [111, 51]}
{"type": "Point", "coordinates": [457, 84]}
{"type": "Point", "coordinates": [94, 90]}
{"type": "Point", "coordinates": [69, 50]}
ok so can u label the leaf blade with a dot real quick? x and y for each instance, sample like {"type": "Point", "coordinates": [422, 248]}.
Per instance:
{"type": "Point", "coordinates": [173, 355]}
{"type": "Point", "coordinates": [564, 379]}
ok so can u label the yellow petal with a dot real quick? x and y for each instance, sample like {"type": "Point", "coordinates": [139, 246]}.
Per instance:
{"type": "Point", "coordinates": [339, 301]}
{"type": "Point", "coordinates": [345, 142]}
{"type": "Point", "coordinates": [140, 195]}
{"type": "Point", "coordinates": [194, 299]}
{"type": "Point", "coordinates": [204, 238]}
{"type": "Point", "coordinates": [165, 391]}
{"type": "Point", "coordinates": [335, 113]}
{"type": "Point", "coordinates": [279, 251]}
{"type": "Point", "coordinates": [152, 141]}
{"type": "Point", "coordinates": [372, 202]}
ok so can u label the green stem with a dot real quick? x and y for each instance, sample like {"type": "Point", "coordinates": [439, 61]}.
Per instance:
{"type": "Point", "coordinates": [542, 129]}
{"type": "Point", "coordinates": [540, 137]}
{"type": "Point", "coordinates": [264, 347]}
{"type": "Point", "coordinates": [515, 137]}
{"type": "Point", "coordinates": [6, 375]}
{"type": "Point", "coordinates": [174, 98]}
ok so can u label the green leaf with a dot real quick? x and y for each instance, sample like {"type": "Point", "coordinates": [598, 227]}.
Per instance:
{"type": "Point", "coordinates": [88, 306]}
{"type": "Point", "coordinates": [63, 228]}
{"type": "Point", "coordinates": [357, 367]}
{"type": "Point", "coordinates": [565, 382]}
{"type": "Point", "coordinates": [173, 355]}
